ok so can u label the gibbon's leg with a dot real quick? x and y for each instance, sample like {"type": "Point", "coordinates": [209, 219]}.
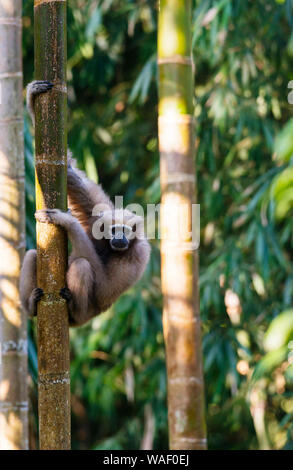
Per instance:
{"type": "Point", "coordinates": [33, 89]}
{"type": "Point", "coordinates": [80, 282]}
{"type": "Point", "coordinates": [30, 294]}
{"type": "Point", "coordinates": [80, 276]}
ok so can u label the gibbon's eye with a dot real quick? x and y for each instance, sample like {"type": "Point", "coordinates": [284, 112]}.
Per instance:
{"type": "Point", "coordinates": [102, 227]}
{"type": "Point", "coordinates": [127, 231]}
{"type": "Point", "coordinates": [134, 228]}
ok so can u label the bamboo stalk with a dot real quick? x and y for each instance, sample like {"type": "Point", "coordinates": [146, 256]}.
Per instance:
{"type": "Point", "coordinates": [181, 319]}
{"type": "Point", "coordinates": [51, 192]}
{"type": "Point", "coordinates": [13, 325]}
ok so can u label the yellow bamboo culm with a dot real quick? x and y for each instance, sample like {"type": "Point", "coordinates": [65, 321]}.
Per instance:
{"type": "Point", "coordinates": [179, 255]}
{"type": "Point", "coordinates": [13, 324]}
{"type": "Point", "coordinates": [51, 193]}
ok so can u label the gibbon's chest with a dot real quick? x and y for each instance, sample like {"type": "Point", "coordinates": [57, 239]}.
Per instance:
{"type": "Point", "coordinates": [103, 249]}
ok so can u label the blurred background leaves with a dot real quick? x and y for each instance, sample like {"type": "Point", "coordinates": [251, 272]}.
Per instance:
{"type": "Point", "coordinates": [243, 64]}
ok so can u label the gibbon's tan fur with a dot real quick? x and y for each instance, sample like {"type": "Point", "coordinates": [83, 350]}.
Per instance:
{"type": "Point", "coordinates": [99, 269]}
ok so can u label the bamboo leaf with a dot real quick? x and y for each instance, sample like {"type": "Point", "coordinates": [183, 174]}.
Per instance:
{"type": "Point", "coordinates": [284, 143]}
{"type": "Point", "coordinates": [142, 84]}
{"type": "Point", "coordinates": [269, 363]}
{"type": "Point", "coordinates": [280, 331]}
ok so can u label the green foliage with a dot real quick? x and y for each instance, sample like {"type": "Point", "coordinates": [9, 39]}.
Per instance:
{"type": "Point", "coordinates": [243, 63]}
{"type": "Point", "coordinates": [280, 331]}
{"type": "Point", "coordinates": [242, 73]}
{"type": "Point", "coordinates": [284, 144]}
{"type": "Point", "coordinates": [270, 362]}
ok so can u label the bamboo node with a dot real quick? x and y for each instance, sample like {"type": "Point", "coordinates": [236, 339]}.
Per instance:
{"type": "Point", "coordinates": [168, 246]}
{"type": "Point", "coordinates": [40, 160]}
{"type": "Point", "coordinates": [11, 22]}
{"type": "Point", "coordinates": [54, 379]}
{"type": "Point", "coordinates": [178, 178]}
{"type": "Point", "coordinates": [177, 119]}
{"type": "Point", "coordinates": [11, 121]}
{"type": "Point", "coordinates": [61, 87]}
{"type": "Point", "coordinates": [10, 74]}
{"type": "Point", "coordinates": [180, 319]}
{"type": "Point", "coordinates": [14, 346]}
{"type": "Point", "coordinates": [176, 59]}
{"type": "Point", "coordinates": [183, 380]}
{"type": "Point", "coordinates": [193, 440]}
{"type": "Point", "coordinates": [18, 406]}
{"type": "Point", "coordinates": [41, 2]}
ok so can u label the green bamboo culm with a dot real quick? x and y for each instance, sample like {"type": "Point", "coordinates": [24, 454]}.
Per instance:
{"type": "Point", "coordinates": [179, 255]}
{"type": "Point", "coordinates": [51, 192]}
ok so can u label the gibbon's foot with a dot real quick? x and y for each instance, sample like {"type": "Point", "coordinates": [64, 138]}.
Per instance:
{"type": "Point", "coordinates": [37, 294]}
{"type": "Point", "coordinates": [39, 86]}
{"type": "Point", "coordinates": [66, 294]}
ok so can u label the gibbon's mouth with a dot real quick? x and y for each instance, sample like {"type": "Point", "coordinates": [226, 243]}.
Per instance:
{"type": "Point", "coordinates": [119, 243]}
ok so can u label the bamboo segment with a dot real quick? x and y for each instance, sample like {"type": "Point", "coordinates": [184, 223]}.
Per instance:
{"type": "Point", "coordinates": [51, 186]}
{"type": "Point", "coordinates": [179, 255]}
{"type": "Point", "coordinates": [13, 325]}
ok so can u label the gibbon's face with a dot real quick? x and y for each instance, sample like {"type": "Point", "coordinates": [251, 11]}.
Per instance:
{"type": "Point", "coordinates": [121, 235]}
{"type": "Point", "coordinates": [121, 228]}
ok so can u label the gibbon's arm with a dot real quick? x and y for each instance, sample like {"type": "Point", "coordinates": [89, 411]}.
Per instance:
{"type": "Point", "coordinates": [83, 194]}
{"type": "Point", "coordinates": [81, 244]}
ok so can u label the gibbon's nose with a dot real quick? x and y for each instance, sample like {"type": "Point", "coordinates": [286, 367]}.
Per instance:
{"type": "Point", "coordinates": [119, 243]}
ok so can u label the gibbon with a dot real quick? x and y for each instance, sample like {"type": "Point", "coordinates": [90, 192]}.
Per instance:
{"type": "Point", "coordinates": [109, 249]}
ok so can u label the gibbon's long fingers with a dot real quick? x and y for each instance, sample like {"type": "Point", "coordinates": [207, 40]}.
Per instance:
{"type": "Point", "coordinates": [66, 294]}
{"type": "Point", "coordinates": [35, 297]}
